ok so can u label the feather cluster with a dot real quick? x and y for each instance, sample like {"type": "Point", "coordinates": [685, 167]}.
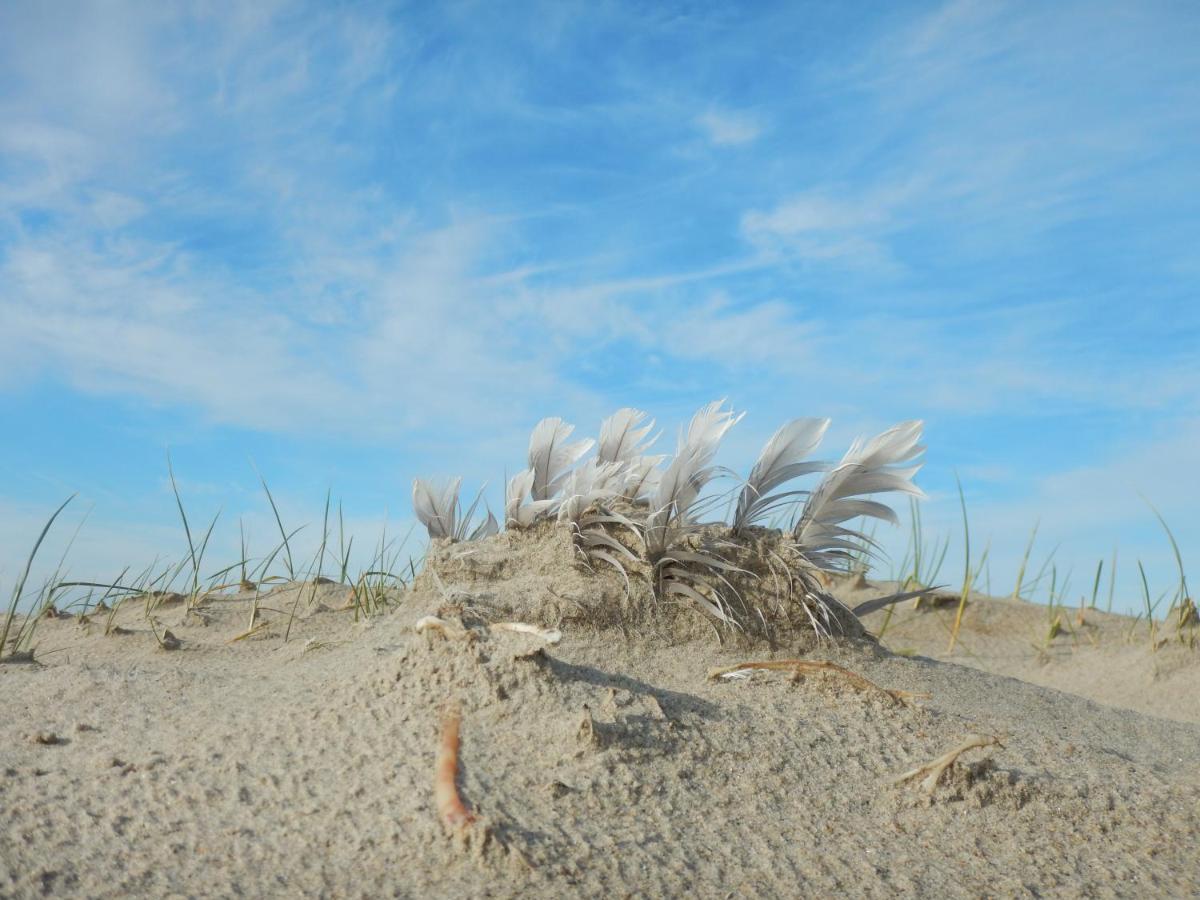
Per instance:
{"type": "Point", "coordinates": [883, 463]}
{"type": "Point", "coordinates": [781, 460]}
{"type": "Point", "coordinates": [436, 505]}
{"type": "Point", "coordinates": [623, 506]}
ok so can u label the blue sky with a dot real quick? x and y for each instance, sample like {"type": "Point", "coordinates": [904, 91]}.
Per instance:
{"type": "Point", "coordinates": [356, 243]}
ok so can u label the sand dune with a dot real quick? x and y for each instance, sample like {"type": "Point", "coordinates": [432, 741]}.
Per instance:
{"type": "Point", "coordinates": [604, 765]}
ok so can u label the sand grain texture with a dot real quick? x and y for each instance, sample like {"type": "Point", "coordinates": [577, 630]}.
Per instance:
{"type": "Point", "coordinates": [604, 765]}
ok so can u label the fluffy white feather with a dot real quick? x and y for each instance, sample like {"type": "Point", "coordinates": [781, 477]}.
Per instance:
{"type": "Point", "coordinates": [869, 467]}
{"type": "Point", "coordinates": [519, 510]}
{"type": "Point", "coordinates": [641, 477]}
{"type": "Point", "coordinates": [586, 485]}
{"type": "Point", "coordinates": [690, 470]}
{"type": "Point", "coordinates": [551, 456]}
{"type": "Point", "coordinates": [484, 529]}
{"type": "Point", "coordinates": [435, 505]}
{"type": "Point", "coordinates": [781, 460]}
{"type": "Point", "coordinates": [623, 437]}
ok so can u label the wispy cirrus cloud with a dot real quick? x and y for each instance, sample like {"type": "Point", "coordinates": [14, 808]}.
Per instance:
{"type": "Point", "coordinates": [276, 224]}
{"type": "Point", "coordinates": [729, 129]}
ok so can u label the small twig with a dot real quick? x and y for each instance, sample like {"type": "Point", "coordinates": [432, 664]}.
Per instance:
{"type": "Point", "coordinates": [934, 769]}
{"type": "Point", "coordinates": [802, 667]}
{"type": "Point", "coordinates": [453, 812]}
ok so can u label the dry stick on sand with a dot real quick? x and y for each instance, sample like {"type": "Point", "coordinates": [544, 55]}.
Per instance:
{"type": "Point", "coordinates": [934, 769]}
{"type": "Point", "coordinates": [802, 667]}
{"type": "Point", "coordinates": [453, 812]}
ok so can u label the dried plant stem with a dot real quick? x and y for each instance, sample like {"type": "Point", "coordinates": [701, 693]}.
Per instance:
{"type": "Point", "coordinates": [802, 667]}
{"type": "Point", "coordinates": [933, 770]}
{"type": "Point", "coordinates": [453, 812]}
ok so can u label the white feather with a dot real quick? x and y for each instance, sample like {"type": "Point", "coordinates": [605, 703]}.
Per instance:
{"type": "Point", "coordinates": [641, 477]}
{"type": "Point", "coordinates": [519, 510]}
{"type": "Point", "coordinates": [781, 460]}
{"type": "Point", "coordinates": [621, 438]}
{"type": "Point", "coordinates": [587, 485]}
{"type": "Point", "coordinates": [690, 470]}
{"type": "Point", "coordinates": [436, 505]}
{"type": "Point", "coordinates": [869, 467]}
{"type": "Point", "coordinates": [550, 456]}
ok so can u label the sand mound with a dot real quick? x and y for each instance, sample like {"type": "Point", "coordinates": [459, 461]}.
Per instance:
{"type": "Point", "coordinates": [606, 764]}
{"type": "Point", "coordinates": [1111, 659]}
{"type": "Point", "coordinates": [537, 575]}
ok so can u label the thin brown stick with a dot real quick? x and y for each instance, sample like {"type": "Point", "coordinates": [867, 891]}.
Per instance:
{"type": "Point", "coordinates": [934, 769]}
{"type": "Point", "coordinates": [801, 667]}
{"type": "Point", "coordinates": [453, 812]}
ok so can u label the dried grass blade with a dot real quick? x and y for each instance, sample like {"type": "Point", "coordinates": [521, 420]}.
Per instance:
{"type": "Point", "coordinates": [800, 667]}
{"type": "Point", "coordinates": [934, 769]}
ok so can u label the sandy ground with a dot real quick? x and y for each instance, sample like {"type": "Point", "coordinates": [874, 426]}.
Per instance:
{"type": "Point", "coordinates": [1111, 659]}
{"type": "Point", "coordinates": [605, 765]}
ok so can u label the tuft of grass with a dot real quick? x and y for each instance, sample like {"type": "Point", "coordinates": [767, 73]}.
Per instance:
{"type": "Point", "coordinates": [1016, 594]}
{"type": "Point", "coordinates": [318, 563]}
{"type": "Point", "coordinates": [344, 546]}
{"type": "Point", "coordinates": [968, 580]}
{"type": "Point", "coordinates": [1112, 580]}
{"type": "Point", "coordinates": [19, 651]}
{"type": "Point", "coordinates": [1182, 606]}
{"type": "Point", "coordinates": [195, 552]}
{"type": "Point", "coordinates": [1055, 623]}
{"type": "Point", "coordinates": [1149, 607]}
{"type": "Point", "coordinates": [287, 547]}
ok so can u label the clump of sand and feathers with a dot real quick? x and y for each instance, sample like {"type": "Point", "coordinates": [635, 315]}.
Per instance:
{"type": "Point", "coordinates": [624, 692]}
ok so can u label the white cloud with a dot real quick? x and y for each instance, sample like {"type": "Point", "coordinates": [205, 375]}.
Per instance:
{"type": "Point", "coordinates": [729, 129]}
{"type": "Point", "coordinates": [844, 226]}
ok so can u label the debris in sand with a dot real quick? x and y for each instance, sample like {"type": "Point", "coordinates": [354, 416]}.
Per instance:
{"type": "Point", "coordinates": [801, 667]}
{"type": "Point", "coordinates": [934, 769]}
{"type": "Point", "coordinates": [447, 629]}
{"type": "Point", "coordinates": [587, 732]}
{"type": "Point", "coordinates": [249, 632]}
{"type": "Point", "coordinates": [549, 635]}
{"type": "Point", "coordinates": [451, 809]}
{"type": "Point", "coordinates": [453, 812]}
{"type": "Point", "coordinates": [168, 641]}
{"type": "Point", "coordinates": [450, 629]}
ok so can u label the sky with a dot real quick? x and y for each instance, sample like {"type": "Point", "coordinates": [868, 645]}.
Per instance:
{"type": "Point", "coordinates": [343, 245]}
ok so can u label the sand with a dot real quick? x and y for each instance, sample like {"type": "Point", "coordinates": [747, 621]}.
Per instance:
{"type": "Point", "coordinates": [607, 764]}
{"type": "Point", "coordinates": [1112, 659]}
